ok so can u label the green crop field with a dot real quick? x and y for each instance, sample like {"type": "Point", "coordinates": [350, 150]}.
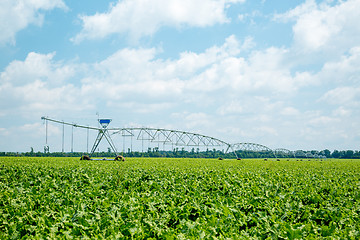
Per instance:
{"type": "Point", "coordinates": [144, 198]}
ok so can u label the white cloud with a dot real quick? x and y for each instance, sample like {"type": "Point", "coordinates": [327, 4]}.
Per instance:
{"type": "Point", "coordinates": [345, 70]}
{"type": "Point", "coordinates": [39, 85]}
{"type": "Point", "coordinates": [349, 96]}
{"type": "Point", "coordinates": [138, 73]}
{"type": "Point", "coordinates": [219, 92]}
{"type": "Point", "coordinates": [265, 130]}
{"type": "Point", "coordinates": [342, 82]}
{"type": "Point", "coordinates": [38, 128]}
{"type": "Point", "coordinates": [219, 75]}
{"type": "Point", "coordinates": [231, 91]}
{"type": "Point", "coordinates": [290, 111]}
{"type": "Point", "coordinates": [5, 132]}
{"type": "Point", "coordinates": [143, 108]}
{"type": "Point", "coordinates": [342, 112]}
{"type": "Point", "coordinates": [325, 27]}
{"type": "Point", "coordinates": [130, 71]}
{"type": "Point", "coordinates": [323, 121]}
{"type": "Point", "coordinates": [36, 67]}
{"type": "Point", "coordinates": [233, 107]}
{"type": "Point", "coordinates": [241, 17]}
{"type": "Point", "coordinates": [197, 120]}
{"type": "Point", "coordinates": [140, 18]}
{"type": "Point", "coordinates": [17, 15]}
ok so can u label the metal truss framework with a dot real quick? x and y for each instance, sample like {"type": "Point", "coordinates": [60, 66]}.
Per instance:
{"type": "Point", "coordinates": [281, 152]}
{"type": "Point", "coordinates": [154, 135]}
{"type": "Point", "coordinates": [171, 137]}
{"type": "Point", "coordinates": [168, 137]}
{"type": "Point", "coordinates": [251, 147]}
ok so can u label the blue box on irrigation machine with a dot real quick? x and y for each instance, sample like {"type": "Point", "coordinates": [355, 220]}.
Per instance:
{"type": "Point", "coordinates": [104, 122]}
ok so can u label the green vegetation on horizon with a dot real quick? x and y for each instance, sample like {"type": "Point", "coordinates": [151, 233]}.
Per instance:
{"type": "Point", "coordinates": [179, 198]}
{"type": "Point", "coordinates": [195, 153]}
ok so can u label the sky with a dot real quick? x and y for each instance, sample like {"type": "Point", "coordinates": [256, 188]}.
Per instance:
{"type": "Point", "coordinates": [284, 74]}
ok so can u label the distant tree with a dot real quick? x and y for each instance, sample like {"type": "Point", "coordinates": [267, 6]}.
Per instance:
{"type": "Point", "coordinates": [327, 153]}
{"type": "Point", "coordinates": [335, 154]}
{"type": "Point", "coordinates": [348, 154]}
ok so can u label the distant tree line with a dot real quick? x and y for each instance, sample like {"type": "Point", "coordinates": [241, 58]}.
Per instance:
{"type": "Point", "coordinates": [196, 153]}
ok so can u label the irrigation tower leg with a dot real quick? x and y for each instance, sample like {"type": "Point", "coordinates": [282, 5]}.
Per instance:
{"type": "Point", "coordinates": [103, 133]}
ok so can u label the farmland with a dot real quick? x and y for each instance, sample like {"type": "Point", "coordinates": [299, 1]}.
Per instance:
{"type": "Point", "coordinates": [179, 198]}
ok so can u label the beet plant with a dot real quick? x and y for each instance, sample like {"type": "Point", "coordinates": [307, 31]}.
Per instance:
{"type": "Point", "coordinates": [145, 198]}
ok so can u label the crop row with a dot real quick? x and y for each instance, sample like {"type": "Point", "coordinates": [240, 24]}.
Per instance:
{"type": "Point", "coordinates": [179, 198]}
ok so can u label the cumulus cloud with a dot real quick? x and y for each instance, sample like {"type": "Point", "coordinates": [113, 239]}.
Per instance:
{"type": "Point", "coordinates": [345, 69]}
{"type": "Point", "coordinates": [135, 78]}
{"type": "Point", "coordinates": [255, 93]}
{"type": "Point", "coordinates": [17, 15]}
{"type": "Point", "coordinates": [37, 85]}
{"type": "Point", "coordinates": [323, 26]}
{"type": "Point", "coordinates": [140, 18]}
{"type": "Point", "coordinates": [192, 76]}
{"type": "Point", "coordinates": [36, 67]}
{"type": "Point", "coordinates": [342, 82]}
{"type": "Point", "coordinates": [142, 107]}
{"type": "Point", "coordinates": [193, 121]}
{"type": "Point", "coordinates": [348, 96]}
{"type": "Point", "coordinates": [233, 107]}
{"type": "Point", "coordinates": [290, 111]}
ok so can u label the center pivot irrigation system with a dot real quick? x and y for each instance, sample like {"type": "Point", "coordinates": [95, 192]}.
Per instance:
{"type": "Point", "coordinates": [174, 138]}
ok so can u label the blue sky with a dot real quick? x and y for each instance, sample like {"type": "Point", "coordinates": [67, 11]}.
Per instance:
{"type": "Point", "coordinates": [284, 74]}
